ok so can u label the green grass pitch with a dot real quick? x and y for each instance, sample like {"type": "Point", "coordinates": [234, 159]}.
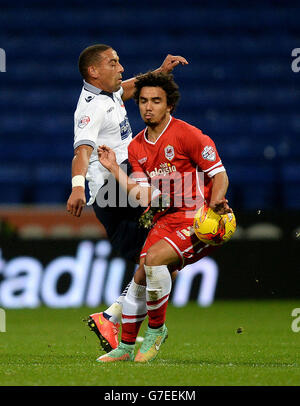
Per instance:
{"type": "Point", "coordinates": [49, 347]}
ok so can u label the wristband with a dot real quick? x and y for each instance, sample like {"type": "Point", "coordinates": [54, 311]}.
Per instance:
{"type": "Point", "coordinates": [78, 180]}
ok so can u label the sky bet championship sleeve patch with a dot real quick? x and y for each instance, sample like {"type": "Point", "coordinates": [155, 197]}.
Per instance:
{"type": "Point", "coordinates": [209, 153]}
{"type": "Point", "coordinates": [83, 121]}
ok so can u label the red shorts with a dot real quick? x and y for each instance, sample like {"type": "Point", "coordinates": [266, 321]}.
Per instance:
{"type": "Point", "coordinates": [177, 230]}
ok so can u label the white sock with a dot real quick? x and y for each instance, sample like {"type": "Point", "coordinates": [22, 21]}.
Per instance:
{"type": "Point", "coordinates": [134, 305]}
{"type": "Point", "coordinates": [115, 310]}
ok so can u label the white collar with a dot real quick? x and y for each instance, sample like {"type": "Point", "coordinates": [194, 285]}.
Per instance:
{"type": "Point", "coordinates": [153, 143]}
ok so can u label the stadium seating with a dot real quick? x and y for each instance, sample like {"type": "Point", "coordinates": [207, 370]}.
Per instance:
{"type": "Point", "coordinates": [239, 88]}
{"type": "Point", "coordinates": [290, 190]}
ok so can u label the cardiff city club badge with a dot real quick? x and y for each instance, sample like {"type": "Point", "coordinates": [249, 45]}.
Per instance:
{"type": "Point", "coordinates": [169, 152]}
{"type": "Point", "coordinates": [209, 153]}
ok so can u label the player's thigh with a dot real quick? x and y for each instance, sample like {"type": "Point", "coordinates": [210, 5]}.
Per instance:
{"type": "Point", "coordinates": [161, 253]}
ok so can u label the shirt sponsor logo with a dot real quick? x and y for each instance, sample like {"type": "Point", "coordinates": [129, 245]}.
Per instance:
{"type": "Point", "coordinates": [169, 152]}
{"type": "Point", "coordinates": [165, 169]}
{"type": "Point", "coordinates": [83, 121]}
{"type": "Point", "coordinates": [209, 153]}
{"type": "Point", "coordinates": [125, 128]}
{"type": "Point", "coordinates": [142, 160]}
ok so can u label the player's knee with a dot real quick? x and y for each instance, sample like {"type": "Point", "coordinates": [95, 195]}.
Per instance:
{"type": "Point", "coordinates": [152, 257]}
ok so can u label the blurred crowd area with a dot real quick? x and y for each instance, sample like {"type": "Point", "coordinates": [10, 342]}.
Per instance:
{"type": "Point", "coordinates": [239, 88]}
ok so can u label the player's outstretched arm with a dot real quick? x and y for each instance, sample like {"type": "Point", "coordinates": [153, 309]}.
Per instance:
{"type": "Point", "coordinates": [169, 63]}
{"type": "Point", "coordinates": [80, 162]}
{"type": "Point", "coordinates": [107, 158]}
{"type": "Point", "coordinates": [218, 203]}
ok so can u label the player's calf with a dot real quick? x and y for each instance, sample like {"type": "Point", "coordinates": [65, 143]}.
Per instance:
{"type": "Point", "coordinates": [157, 293]}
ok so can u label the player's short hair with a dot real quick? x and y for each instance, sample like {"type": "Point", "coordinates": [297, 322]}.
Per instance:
{"type": "Point", "coordinates": [163, 80]}
{"type": "Point", "coordinates": [89, 56]}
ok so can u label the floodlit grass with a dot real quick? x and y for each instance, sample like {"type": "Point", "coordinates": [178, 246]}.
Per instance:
{"type": "Point", "coordinates": [48, 347]}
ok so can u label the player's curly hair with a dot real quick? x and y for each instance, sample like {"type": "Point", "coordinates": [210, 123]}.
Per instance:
{"type": "Point", "coordinates": [163, 80]}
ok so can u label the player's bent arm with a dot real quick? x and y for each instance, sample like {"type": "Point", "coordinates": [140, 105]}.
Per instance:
{"type": "Point", "coordinates": [220, 185]}
{"type": "Point", "coordinates": [80, 164]}
{"type": "Point", "coordinates": [142, 194]}
{"type": "Point", "coordinates": [81, 159]}
{"type": "Point", "coordinates": [128, 89]}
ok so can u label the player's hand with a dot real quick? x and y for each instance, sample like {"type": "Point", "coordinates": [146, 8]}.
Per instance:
{"type": "Point", "coordinates": [220, 206]}
{"type": "Point", "coordinates": [171, 62]}
{"type": "Point", "coordinates": [107, 157]}
{"type": "Point", "coordinates": [76, 201]}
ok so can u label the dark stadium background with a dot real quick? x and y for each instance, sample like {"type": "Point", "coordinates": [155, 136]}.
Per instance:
{"type": "Point", "coordinates": [239, 88]}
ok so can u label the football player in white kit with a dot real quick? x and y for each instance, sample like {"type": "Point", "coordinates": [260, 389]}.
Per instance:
{"type": "Point", "coordinates": [101, 118]}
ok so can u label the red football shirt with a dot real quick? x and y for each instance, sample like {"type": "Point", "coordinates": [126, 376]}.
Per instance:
{"type": "Point", "coordinates": [181, 163]}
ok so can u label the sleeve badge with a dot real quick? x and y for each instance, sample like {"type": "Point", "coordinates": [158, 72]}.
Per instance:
{"type": "Point", "coordinates": [209, 153]}
{"type": "Point", "coordinates": [83, 121]}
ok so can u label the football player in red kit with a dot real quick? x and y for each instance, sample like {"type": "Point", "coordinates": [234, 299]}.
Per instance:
{"type": "Point", "coordinates": [170, 157]}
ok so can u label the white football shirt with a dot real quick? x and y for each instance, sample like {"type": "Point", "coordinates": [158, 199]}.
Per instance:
{"type": "Point", "coordinates": [101, 119]}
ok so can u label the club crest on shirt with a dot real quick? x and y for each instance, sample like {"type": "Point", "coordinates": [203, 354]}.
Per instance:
{"type": "Point", "coordinates": [209, 153]}
{"type": "Point", "coordinates": [169, 152]}
{"type": "Point", "coordinates": [83, 121]}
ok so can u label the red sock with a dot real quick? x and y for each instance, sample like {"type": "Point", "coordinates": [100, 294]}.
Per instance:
{"type": "Point", "coordinates": [157, 311]}
{"type": "Point", "coordinates": [131, 329]}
